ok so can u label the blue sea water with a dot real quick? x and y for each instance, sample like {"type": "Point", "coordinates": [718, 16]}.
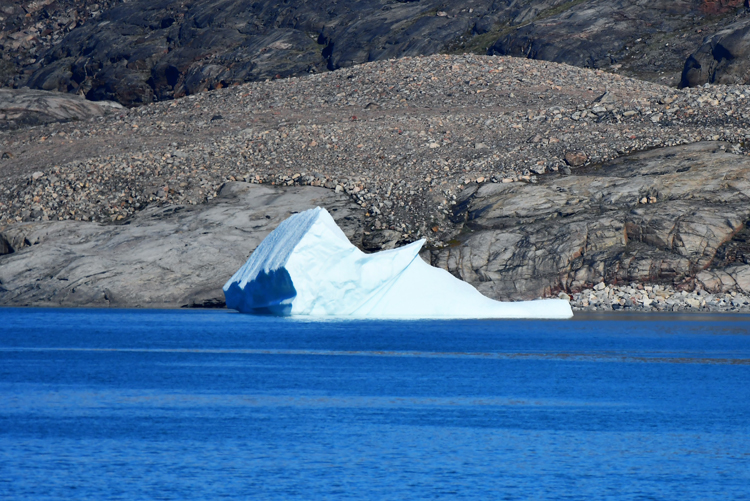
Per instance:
{"type": "Point", "coordinates": [108, 404]}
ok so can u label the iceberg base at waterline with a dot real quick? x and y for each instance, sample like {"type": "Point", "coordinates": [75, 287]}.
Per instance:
{"type": "Point", "coordinates": [307, 266]}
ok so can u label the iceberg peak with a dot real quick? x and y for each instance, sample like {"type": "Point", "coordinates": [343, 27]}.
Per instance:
{"type": "Point", "coordinates": [307, 266]}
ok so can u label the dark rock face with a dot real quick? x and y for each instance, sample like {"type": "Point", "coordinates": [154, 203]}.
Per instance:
{"type": "Point", "coordinates": [142, 51]}
{"type": "Point", "coordinates": [724, 58]}
{"type": "Point", "coordinates": [665, 216]}
{"type": "Point", "coordinates": [168, 257]}
{"type": "Point", "coordinates": [641, 39]}
{"type": "Point", "coordinates": [28, 29]}
{"type": "Point", "coordinates": [146, 50]}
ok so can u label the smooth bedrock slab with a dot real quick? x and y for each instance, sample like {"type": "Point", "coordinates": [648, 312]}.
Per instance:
{"type": "Point", "coordinates": [165, 257]}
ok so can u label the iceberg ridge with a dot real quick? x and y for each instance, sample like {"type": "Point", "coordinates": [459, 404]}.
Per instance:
{"type": "Point", "coordinates": [307, 266]}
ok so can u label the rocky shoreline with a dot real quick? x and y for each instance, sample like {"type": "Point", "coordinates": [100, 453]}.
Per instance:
{"type": "Point", "coordinates": [672, 219]}
{"type": "Point", "coordinates": [164, 257]}
{"type": "Point", "coordinates": [638, 297]}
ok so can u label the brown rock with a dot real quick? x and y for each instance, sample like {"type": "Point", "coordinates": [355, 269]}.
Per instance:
{"type": "Point", "coordinates": [575, 158]}
{"type": "Point", "coordinates": [719, 6]}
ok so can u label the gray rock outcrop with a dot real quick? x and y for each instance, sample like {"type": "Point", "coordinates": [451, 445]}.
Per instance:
{"type": "Point", "coordinates": [165, 257]}
{"type": "Point", "coordinates": [26, 107]}
{"type": "Point", "coordinates": [662, 216]}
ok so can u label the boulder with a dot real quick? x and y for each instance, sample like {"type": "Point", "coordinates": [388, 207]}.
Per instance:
{"type": "Point", "coordinates": [25, 107]}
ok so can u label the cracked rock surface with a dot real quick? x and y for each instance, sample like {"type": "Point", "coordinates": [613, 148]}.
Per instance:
{"type": "Point", "coordinates": [662, 216]}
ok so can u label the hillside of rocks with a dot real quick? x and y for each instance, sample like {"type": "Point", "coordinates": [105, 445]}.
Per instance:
{"type": "Point", "coordinates": [402, 137]}
{"type": "Point", "coordinates": [141, 51]}
{"type": "Point", "coordinates": [527, 178]}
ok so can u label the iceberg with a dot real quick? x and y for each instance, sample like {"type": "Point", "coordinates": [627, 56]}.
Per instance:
{"type": "Point", "coordinates": [307, 266]}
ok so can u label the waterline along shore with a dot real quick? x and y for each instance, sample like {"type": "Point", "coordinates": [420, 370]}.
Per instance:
{"type": "Point", "coordinates": [653, 298]}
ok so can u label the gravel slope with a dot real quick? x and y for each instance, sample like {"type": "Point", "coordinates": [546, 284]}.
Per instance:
{"type": "Point", "coordinates": [403, 138]}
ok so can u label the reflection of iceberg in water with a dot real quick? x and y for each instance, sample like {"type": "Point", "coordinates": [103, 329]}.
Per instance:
{"type": "Point", "coordinates": [307, 266]}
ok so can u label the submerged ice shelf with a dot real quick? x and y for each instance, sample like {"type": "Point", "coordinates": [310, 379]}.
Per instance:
{"type": "Point", "coordinates": [307, 266]}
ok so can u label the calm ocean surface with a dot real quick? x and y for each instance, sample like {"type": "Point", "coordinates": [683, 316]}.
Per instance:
{"type": "Point", "coordinates": [108, 404]}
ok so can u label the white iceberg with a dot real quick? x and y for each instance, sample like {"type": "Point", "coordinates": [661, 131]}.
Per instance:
{"type": "Point", "coordinates": [307, 266]}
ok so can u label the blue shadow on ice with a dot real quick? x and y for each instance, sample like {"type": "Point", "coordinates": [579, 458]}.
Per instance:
{"type": "Point", "coordinates": [271, 294]}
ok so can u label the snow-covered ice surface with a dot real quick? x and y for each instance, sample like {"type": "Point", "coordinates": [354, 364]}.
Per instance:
{"type": "Point", "coordinates": [307, 266]}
